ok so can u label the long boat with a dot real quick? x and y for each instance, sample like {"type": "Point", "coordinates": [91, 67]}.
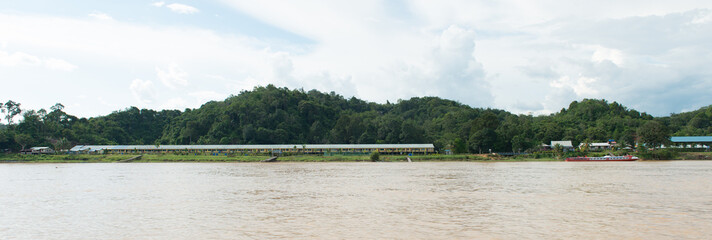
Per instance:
{"type": "Point", "coordinates": [603, 159]}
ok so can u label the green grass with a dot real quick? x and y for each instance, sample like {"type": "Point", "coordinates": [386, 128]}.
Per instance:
{"type": "Point", "coordinates": [64, 158]}
{"type": "Point", "coordinates": [59, 158]}
{"type": "Point", "coordinates": [694, 156]}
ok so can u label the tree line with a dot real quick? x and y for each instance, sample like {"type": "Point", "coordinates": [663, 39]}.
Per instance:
{"type": "Point", "coordinates": [272, 115]}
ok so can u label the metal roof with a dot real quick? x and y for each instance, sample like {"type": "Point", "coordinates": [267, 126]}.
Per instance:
{"type": "Point", "coordinates": [691, 139]}
{"type": "Point", "coordinates": [604, 144]}
{"type": "Point", "coordinates": [562, 143]}
{"type": "Point", "coordinates": [39, 148]}
{"type": "Point", "coordinates": [91, 148]}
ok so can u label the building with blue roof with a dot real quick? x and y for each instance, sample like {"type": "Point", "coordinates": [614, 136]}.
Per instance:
{"type": "Point", "coordinates": [692, 141]}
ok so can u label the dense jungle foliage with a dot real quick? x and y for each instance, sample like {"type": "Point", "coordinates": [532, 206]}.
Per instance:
{"type": "Point", "coordinates": [271, 115]}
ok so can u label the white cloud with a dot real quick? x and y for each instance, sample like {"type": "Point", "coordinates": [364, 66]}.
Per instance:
{"type": "Point", "coordinates": [182, 8]}
{"type": "Point", "coordinates": [18, 59]}
{"type": "Point", "coordinates": [205, 96]}
{"type": "Point", "coordinates": [100, 16]}
{"type": "Point", "coordinates": [507, 54]}
{"type": "Point", "coordinates": [114, 58]}
{"type": "Point", "coordinates": [23, 59]}
{"type": "Point", "coordinates": [176, 103]}
{"type": "Point", "coordinates": [143, 91]}
{"type": "Point", "coordinates": [59, 64]}
{"type": "Point", "coordinates": [172, 76]}
{"type": "Point", "coordinates": [110, 40]}
{"type": "Point", "coordinates": [447, 68]}
{"type": "Point", "coordinates": [702, 17]}
{"type": "Point", "coordinates": [177, 7]}
{"type": "Point", "coordinates": [282, 69]}
{"type": "Point", "coordinates": [583, 86]}
{"type": "Point", "coordinates": [606, 54]}
{"type": "Point", "coordinates": [381, 56]}
{"type": "Point", "coordinates": [105, 103]}
{"type": "Point", "coordinates": [281, 72]}
{"type": "Point", "coordinates": [328, 82]}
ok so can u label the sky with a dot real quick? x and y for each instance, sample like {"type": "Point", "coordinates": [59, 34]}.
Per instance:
{"type": "Point", "coordinates": [523, 56]}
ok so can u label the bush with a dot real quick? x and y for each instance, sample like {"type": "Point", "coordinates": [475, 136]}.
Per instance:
{"type": "Point", "coordinates": [658, 154]}
{"type": "Point", "coordinates": [375, 156]}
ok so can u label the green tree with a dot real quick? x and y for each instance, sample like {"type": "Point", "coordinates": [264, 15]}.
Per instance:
{"type": "Point", "coordinates": [6, 140]}
{"type": "Point", "coordinates": [23, 140]}
{"type": "Point", "coordinates": [653, 134]}
{"type": "Point", "coordinates": [57, 107]}
{"type": "Point", "coordinates": [60, 144]}
{"type": "Point", "coordinates": [482, 140]}
{"type": "Point", "coordinates": [11, 110]}
{"type": "Point", "coordinates": [558, 151]}
{"type": "Point", "coordinates": [459, 146]}
{"type": "Point", "coordinates": [191, 131]}
{"type": "Point", "coordinates": [411, 133]}
{"type": "Point", "coordinates": [520, 143]}
{"type": "Point", "coordinates": [2, 108]}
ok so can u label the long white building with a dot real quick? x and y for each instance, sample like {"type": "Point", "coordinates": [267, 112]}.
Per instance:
{"type": "Point", "coordinates": [256, 149]}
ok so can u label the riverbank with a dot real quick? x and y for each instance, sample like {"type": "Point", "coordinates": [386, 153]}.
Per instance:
{"type": "Point", "coordinates": [80, 158]}
{"type": "Point", "coordinates": [695, 156]}
{"type": "Point", "coordinates": [73, 158]}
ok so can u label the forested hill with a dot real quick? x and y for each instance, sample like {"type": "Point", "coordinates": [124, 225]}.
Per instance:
{"type": "Point", "coordinates": [695, 123]}
{"type": "Point", "coordinates": [271, 115]}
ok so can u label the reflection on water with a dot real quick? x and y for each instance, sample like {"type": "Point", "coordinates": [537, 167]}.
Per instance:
{"type": "Point", "coordinates": [453, 200]}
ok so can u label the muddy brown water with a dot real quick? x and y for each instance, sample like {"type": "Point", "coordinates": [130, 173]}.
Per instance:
{"type": "Point", "coordinates": [420, 200]}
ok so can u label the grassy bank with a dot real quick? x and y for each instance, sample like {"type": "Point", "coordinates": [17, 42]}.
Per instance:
{"type": "Point", "coordinates": [64, 158]}
{"type": "Point", "coordinates": [694, 156]}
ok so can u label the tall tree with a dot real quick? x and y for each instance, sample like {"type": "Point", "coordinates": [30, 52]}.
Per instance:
{"type": "Point", "coordinates": [2, 108]}
{"type": "Point", "coordinates": [57, 107]}
{"type": "Point", "coordinates": [11, 110]}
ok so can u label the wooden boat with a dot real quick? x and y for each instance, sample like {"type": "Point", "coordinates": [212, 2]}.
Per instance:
{"type": "Point", "coordinates": [603, 159]}
{"type": "Point", "coordinates": [272, 159]}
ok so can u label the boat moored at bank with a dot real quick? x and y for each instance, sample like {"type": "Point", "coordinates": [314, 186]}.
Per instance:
{"type": "Point", "coordinates": [603, 159]}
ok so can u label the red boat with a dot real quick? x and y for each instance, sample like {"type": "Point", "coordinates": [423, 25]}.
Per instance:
{"type": "Point", "coordinates": [603, 159]}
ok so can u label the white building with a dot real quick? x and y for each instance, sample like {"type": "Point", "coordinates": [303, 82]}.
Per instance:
{"type": "Point", "coordinates": [41, 150]}
{"type": "Point", "coordinates": [564, 144]}
{"type": "Point", "coordinates": [599, 146]}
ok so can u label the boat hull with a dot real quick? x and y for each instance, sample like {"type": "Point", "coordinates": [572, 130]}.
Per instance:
{"type": "Point", "coordinates": [602, 159]}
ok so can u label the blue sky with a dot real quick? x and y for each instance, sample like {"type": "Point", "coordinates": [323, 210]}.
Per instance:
{"type": "Point", "coordinates": [535, 57]}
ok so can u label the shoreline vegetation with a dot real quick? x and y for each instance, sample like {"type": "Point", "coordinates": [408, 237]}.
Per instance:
{"type": "Point", "coordinates": [109, 158]}
{"type": "Point", "coordinates": [273, 115]}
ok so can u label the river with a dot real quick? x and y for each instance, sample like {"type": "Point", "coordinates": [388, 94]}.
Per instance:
{"type": "Point", "coordinates": [420, 200]}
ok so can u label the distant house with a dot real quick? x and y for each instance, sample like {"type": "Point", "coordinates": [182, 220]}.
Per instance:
{"type": "Point", "coordinates": [565, 144]}
{"type": "Point", "coordinates": [599, 146]}
{"type": "Point", "coordinates": [41, 150]}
